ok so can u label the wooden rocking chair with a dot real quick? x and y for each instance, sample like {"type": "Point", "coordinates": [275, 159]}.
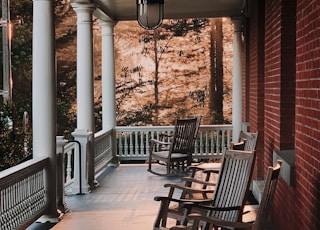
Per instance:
{"type": "Point", "coordinates": [247, 142]}
{"type": "Point", "coordinates": [212, 222]}
{"type": "Point", "coordinates": [178, 154]}
{"type": "Point", "coordinates": [229, 195]}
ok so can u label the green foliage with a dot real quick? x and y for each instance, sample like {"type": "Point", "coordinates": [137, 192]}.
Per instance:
{"type": "Point", "coordinates": [13, 137]}
{"type": "Point", "coordinates": [182, 26]}
{"type": "Point", "coordinates": [199, 96]}
{"type": "Point", "coordinates": [66, 89]}
{"type": "Point", "coordinates": [126, 88]}
{"type": "Point", "coordinates": [21, 59]}
{"type": "Point", "coordinates": [21, 54]}
{"type": "Point", "coordinates": [155, 45]}
{"type": "Point", "coordinates": [136, 117]}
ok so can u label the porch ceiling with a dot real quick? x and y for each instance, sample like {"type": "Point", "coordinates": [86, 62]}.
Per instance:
{"type": "Point", "coordinates": [125, 10]}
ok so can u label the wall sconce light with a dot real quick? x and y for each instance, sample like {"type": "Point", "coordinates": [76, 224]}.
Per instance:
{"type": "Point", "coordinates": [150, 13]}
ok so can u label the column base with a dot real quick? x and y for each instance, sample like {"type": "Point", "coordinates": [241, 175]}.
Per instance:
{"type": "Point", "coordinates": [84, 190]}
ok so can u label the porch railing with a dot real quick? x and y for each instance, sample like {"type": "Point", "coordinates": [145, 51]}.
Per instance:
{"type": "Point", "coordinates": [103, 146]}
{"type": "Point", "coordinates": [23, 194]}
{"type": "Point", "coordinates": [23, 187]}
{"type": "Point", "coordinates": [69, 151]}
{"type": "Point", "coordinates": [133, 142]}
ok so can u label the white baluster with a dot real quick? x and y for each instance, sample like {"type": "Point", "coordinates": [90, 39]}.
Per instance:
{"type": "Point", "coordinates": [120, 144]}
{"type": "Point", "coordinates": [222, 141]}
{"type": "Point", "coordinates": [201, 142]}
{"type": "Point", "coordinates": [142, 150]}
{"type": "Point", "coordinates": [69, 166]}
{"type": "Point", "coordinates": [217, 142]}
{"type": "Point", "coordinates": [207, 142]}
{"type": "Point", "coordinates": [126, 150]}
{"type": "Point", "coordinates": [131, 144]}
{"type": "Point", "coordinates": [147, 143]}
{"type": "Point", "coordinates": [136, 152]}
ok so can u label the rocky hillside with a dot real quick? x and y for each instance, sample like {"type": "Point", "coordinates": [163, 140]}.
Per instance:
{"type": "Point", "coordinates": [184, 69]}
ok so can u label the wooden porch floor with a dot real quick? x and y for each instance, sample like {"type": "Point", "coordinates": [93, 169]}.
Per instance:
{"type": "Point", "coordinates": [123, 200]}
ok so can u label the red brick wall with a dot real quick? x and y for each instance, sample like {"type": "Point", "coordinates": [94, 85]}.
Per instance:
{"type": "Point", "coordinates": [280, 98]}
{"type": "Point", "coordinates": [307, 126]}
{"type": "Point", "coordinates": [272, 76]}
{"type": "Point", "coordinates": [279, 76]}
{"type": "Point", "coordinates": [291, 102]}
{"type": "Point", "coordinates": [256, 82]}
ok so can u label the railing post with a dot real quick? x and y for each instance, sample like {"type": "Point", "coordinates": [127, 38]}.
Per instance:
{"type": "Point", "coordinates": [114, 162]}
{"type": "Point", "coordinates": [81, 184]}
{"type": "Point", "coordinates": [61, 205]}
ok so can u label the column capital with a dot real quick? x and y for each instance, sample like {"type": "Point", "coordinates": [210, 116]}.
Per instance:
{"type": "Point", "coordinates": [237, 23]}
{"type": "Point", "coordinates": [107, 27]}
{"type": "Point", "coordinates": [83, 7]}
{"type": "Point", "coordinates": [107, 23]}
{"type": "Point", "coordinates": [104, 19]}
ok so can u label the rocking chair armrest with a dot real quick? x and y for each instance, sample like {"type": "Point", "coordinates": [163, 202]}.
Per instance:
{"type": "Point", "coordinates": [216, 222]}
{"type": "Point", "coordinates": [189, 189]}
{"type": "Point", "coordinates": [165, 135]}
{"type": "Point", "coordinates": [155, 141]}
{"type": "Point", "coordinates": [204, 170]}
{"type": "Point", "coordinates": [178, 227]}
{"type": "Point", "coordinates": [211, 170]}
{"type": "Point", "coordinates": [180, 201]}
{"type": "Point", "coordinates": [194, 180]}
{"type": "Point", "coordinates": [207, 207]}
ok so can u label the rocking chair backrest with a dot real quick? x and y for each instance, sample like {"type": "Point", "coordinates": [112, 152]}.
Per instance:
{"type": "Point", "coordinates": [233, 183]}
{"type": "Point", "coordinates": [267, 197]}
{"type": "Point", "coordinates": [184, 135]}
{"type": "Point", "coordinates": [250, 140]}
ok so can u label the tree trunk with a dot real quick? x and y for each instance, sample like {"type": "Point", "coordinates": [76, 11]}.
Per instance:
{"type": "Point", "coordinates": [156, 79]}
{"type": "Point", "coordinates": [216, 81]}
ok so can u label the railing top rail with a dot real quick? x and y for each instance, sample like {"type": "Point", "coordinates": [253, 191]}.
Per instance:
{"type": "Point", "coordinates": [219, 127]}
{"type": "Point", "coordinates": [22, 170]}
{"type": "Point", "coordinates": [102, 133]}
{"type": "Point", "coordinates": [165, 128]}
{"type": "Point", "coordinates": [69, 146]}
{"type": "Point", "coordinates": [142, 128]}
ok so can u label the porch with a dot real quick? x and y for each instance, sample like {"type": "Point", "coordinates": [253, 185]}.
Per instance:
{"type": "Point", "coordinates": [24, 188]}
{"type": "Point", "coordinates": [280, 80]}
{"type": "Point", "coordinates": [123, 200]}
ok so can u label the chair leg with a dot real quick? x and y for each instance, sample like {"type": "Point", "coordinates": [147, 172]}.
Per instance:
{"type": "Point", "coordinates": [168, 168]}
{"type": "Point", "coordinates": [149, 162]}
{"type": "Point", "coordinates": [162, 217]}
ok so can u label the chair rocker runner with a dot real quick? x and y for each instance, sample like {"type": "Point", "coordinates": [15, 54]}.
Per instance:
{"type": "Point", "coordinates": [262, 215]}
{"type": "Point", "coordinates": [179, 154]}
{"type": "Point", "coordinates": [229, 195]}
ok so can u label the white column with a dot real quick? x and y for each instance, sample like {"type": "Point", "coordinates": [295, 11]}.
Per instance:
{"type": "Point", "coordinates": [44, 92]}
{"type": "Point", "coordinates": [108, 82]}
{"type": "Point", "coordinates": [236, 81]}
{"type": "Point", "coordinates": [85, 78]}
{"type": "Point", "coordinates": [81, 168]}
{"type": "Point", "coordinates": [85, 96]}
{"type": "Point", "coordinates": [61, 204]}
{"type": "Point", "coordinates": [108, 76]}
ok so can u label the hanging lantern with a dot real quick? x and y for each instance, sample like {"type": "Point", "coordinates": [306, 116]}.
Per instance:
{"type": "Point", "coordinates": [150, 13]}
